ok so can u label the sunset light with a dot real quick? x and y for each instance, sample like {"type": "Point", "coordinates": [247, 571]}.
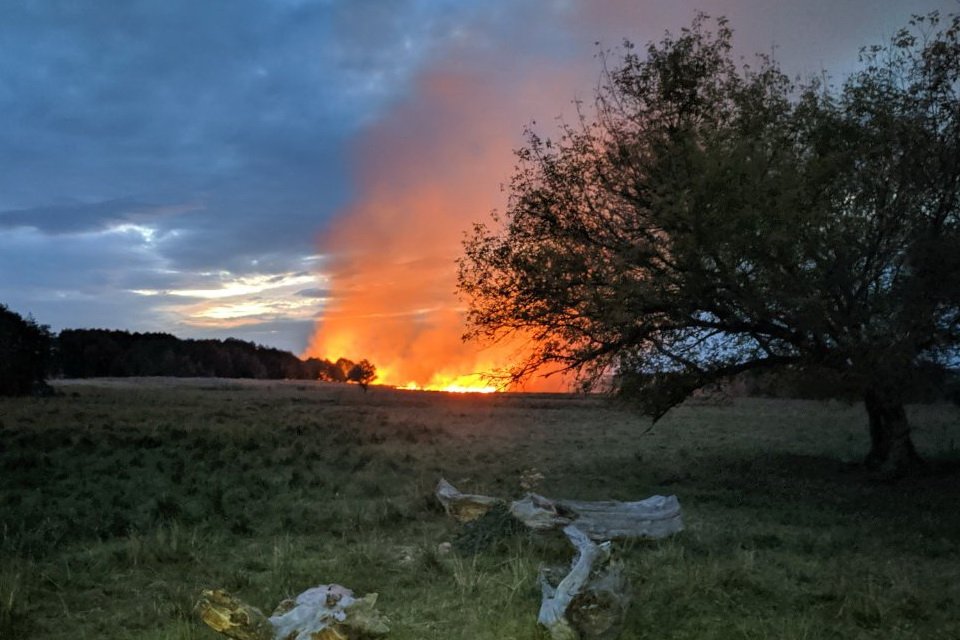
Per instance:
{"type": "Point", "coordinates": [231, 300]}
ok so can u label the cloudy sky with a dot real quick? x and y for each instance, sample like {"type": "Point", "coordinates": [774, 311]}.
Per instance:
{"type": "Point", "coordinates": [223, 168]}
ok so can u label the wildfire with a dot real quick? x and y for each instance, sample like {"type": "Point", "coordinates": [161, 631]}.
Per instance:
{"type": "Point", "coordinates": [425, 173]}
{"type": "Point", "coordinates": [438, 367]}
{"type": "Point", "coordinates": [462, 384]}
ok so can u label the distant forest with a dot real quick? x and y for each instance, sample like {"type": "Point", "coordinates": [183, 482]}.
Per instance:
{"type": "Point", "coordinates": [88, 353]}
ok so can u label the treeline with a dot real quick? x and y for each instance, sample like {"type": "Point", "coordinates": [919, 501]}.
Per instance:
{"type": "Point", "coordinates": [30, 353]}
{"type": "Point", "coordinates": [88, 353]}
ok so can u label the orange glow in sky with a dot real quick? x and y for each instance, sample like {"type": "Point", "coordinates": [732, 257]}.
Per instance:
{"type": "Point", "coordinates": [426, 173]}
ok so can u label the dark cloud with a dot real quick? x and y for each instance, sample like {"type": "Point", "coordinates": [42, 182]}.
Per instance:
{"type": "Point", "coordinates": [218, 127]}
{"type": "Point", "coordinates": [105, 101]}
{"type": "Point", "coordinates": [86, 217]}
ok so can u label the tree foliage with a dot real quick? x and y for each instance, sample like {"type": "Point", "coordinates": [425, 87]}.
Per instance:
{"type": "Point", "coordinates": [363, 373]}
{"type": "Point", "coordinates": [709, 218]}
{"type": "Point", "coordinates": [24, 354]}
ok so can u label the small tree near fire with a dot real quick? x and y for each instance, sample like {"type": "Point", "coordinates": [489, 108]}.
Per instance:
{"type": "Point", "coordinates": [363, 373]}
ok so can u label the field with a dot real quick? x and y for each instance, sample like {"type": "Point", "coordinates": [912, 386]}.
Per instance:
{"type": "Point", "coordinates": [121, 500]}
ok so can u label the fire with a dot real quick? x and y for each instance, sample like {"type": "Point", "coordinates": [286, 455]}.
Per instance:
{"type": "Point", "coordinates": [473, 383]}
{"type": "Point", "coordinates": [425, 173]}
{"type": "Point", "coordinates": [462, 384]}
{"type": "Point", "coordinates": [456, 388]}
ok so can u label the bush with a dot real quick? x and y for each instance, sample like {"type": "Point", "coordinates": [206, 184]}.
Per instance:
{"type": "Point", "coordinates": [24, 354]}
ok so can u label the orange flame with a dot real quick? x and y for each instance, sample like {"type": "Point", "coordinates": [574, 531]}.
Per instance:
{"type": "Point", "coordinates": [426, 172]}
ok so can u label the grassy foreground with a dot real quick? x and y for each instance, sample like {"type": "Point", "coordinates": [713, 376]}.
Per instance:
{"type": "Point", "coordinates": [120, 500]}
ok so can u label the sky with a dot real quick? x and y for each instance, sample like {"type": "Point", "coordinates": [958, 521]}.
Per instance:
{"type": "Point", "coordinates": [300, 173]}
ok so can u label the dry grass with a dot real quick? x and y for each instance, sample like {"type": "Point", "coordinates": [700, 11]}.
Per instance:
{"type": "Point", "coordinates": [120, 500]}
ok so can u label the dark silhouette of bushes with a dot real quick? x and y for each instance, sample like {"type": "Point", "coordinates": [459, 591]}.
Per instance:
{"type": "Point", "coordinates": [86, 353]}
{"type": "Point", "coordinates": [24, 354]}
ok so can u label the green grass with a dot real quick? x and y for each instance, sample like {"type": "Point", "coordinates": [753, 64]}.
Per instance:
{"type": "Point", "coordinates": [120, 501]}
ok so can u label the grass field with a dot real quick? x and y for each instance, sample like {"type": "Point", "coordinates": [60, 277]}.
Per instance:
{"type": "Point", "coordinates": [120, 500]}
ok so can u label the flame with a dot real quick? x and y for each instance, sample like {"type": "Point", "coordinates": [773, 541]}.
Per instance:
{"type": "Point", "coordinates": [461, 384]}
{"type": "Point", "coordinates": [424, 174]}
{"type": "Point", "coordinates": [456, 388]}
{"type": "Point", "coordinates": [469, 383]}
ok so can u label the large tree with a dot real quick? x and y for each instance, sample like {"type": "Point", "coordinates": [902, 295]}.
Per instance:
{"type": "Point", "coordinates": [706, 218]}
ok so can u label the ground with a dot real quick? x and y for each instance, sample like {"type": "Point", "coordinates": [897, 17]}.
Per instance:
{"type": "Point", "coordinates": [121, 499]}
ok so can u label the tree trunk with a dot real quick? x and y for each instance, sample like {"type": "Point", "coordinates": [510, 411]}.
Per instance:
{"type": "Point", "coordinates": [891, 450]}
{"type": "Point", "coordinates": [326, 612]}
{"type": "Point", "coordinates": [654, 517]}
{"type": "Point", "coordinates": [590, 602]}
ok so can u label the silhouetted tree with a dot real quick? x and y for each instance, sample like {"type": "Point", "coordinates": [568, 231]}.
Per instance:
{"type": "Point", "coordinates": [24, 354]}
{"type": "Point", "coordinates": [710, 219]}
{"type": "Point", "coordinates": [317, 369]}
{"type": "Point", "coordinates": [363, 373]}
{"type": "Point", "coordinates": [344, 365]}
